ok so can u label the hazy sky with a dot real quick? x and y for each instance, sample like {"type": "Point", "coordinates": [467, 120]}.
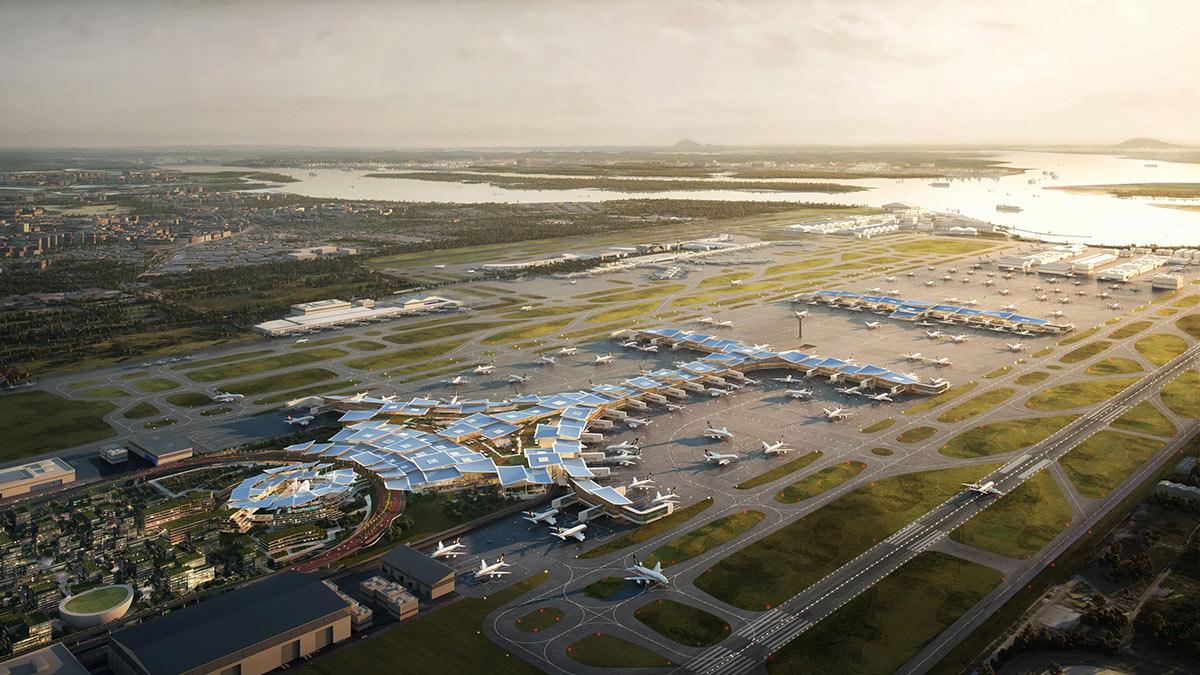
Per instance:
{"type": "Point", "coordinates": [412, 74]}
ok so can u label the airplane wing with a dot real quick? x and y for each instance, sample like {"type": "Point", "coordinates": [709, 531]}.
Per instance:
{"type": "Point", "coordinates": [579, 536]}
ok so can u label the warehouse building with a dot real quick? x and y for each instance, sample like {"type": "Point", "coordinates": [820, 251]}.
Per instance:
{"type": "Point", "coordinates": [1132, 268]}
{"type": "Point", "coordinates": [425, 576]}
{"type": "Point", "coordinates": [39, 476]}
{"type": "Point", "coordinates": [161, 448]}
{"type": "Point", "coordinates": [53, 660]}
{"type": "Point", "coordinates": [312, 316]}
{"type": "Point", "coordinates": [249, 631]}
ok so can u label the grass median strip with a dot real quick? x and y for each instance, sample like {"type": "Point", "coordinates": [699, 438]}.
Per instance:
{"type": "Point", "coordinates": [1114, 366]}
{"type": "Point", "coordinates": [528, 332]}
{"type": "Point", "coordinates": [944, 397]}
{"type": "Point", "coordinates": [140, 411]}
{"type": "Point", "coordinates": [682, 623]}
{"type": "Point", "coordinates": [1001, 437]}
{"type": "Point", "coordinates": [648, 531]}
{"type": "Point", "coordinates": [156, 384]}
{"type": "Point", "coordinates": [1189, 324]}
{"type": "Point", "coordinates": [878, 426]}
{"type": "Point", "coordinates": [1105, 460]}
{"type": "Point", "coordinates": [254, 366]}
{"type": "Point", "coordinates": [916, 434]}
{"type": "Point", "coordinates": [1182, 395]}
{"type": "Point", "coordinates": [703, 538]}
{"type": "Point", "coordinates": [976, 406]}
{"type": "Point", "coordinates": [1021, 522]}
{"type": "Point", "coordinates": [602, 650]}
{"type": "Point", "coordinates": [1130, 329]}
{"type": "Point", "coordinates": [822, 481]}
{"type": "Point", "coordinates": [787, 468]}
{"type": "Point", "coordinates": [1160, 348]}
{"type": "Point", "coordinates": [1036, 377]}
{"type": "Point", "coordinates": [404, 357]}
{"type": "Point", "coordinates": [291, 380]}
{"type": "Point", "coordinates": [1077, 394]}
{"type": "Point", "coordinates": [539, 619]}
{"type": "Point", "coordinates": [1146, 419]}
{"type": "Point", "coordinates": [1085, 352]}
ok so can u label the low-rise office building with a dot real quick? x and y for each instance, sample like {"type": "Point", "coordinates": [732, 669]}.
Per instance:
{"type": "Point", "coordinates": [249, 631]}
{"type": "Point", "coordinates": [391, 596]}
{"type": "Point", "coordinates": [39, 476]}
{"type": "Point", "coordinates": [310, 316]}
{"type": "Point", "coordinates": [53, 660]}
{"type": "Point", "coordinates": [425, 576]}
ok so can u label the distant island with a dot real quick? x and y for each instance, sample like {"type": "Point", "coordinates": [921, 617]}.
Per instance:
{"type": "Point", "coordinates": [1143, 143]}
{"type": "Point", "coordinates": [689, 144]}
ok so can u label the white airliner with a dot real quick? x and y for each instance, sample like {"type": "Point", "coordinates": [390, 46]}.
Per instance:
{"type": "Point", "coordinates": [933, 334]}
{"type": "Point", "coordinates": [1115, 305]}
{"type": "Point", "coordinates": [722, 434]}
{"type": "Point", "coordinates": [935, 381]}
{"type": "Point", "coordinates": [889, 278]}
{"type": "Point", "coordinates": [835, 414]}
{"type": "Point", "coordinates": [930, 283]}
{"type": "Point", "coordinates": [874, 290]}
{"type": "Point", "coordinates": [773, 449]}
{"type": "Point", "coordinates": [724, 324]}
{"type": "Point", "coordinates": [1042, 298]}
{"type": "Point", "coordinates": [439, 267]}
{"type": "Point", "coordinates": [1009, 308]}
{"type": "Point", "coordinates": [518, 379]}
{"type": "Point", "coordinates": [871, 325]}
{"type": "Point", "coordinates": [881, 397]}
{"type": "Point", "coordinates": [988, 488]}
{"type": "Point", "coordinates": [492, 571]}
{"type": "Point", "coordinates": [707, 319]}
{"type": "Point", "coordinates": [1016, 347]}
{"type": "Point", "coordinates": [623, 445]}
{"type": "Point", "coordinates": [647, 575]}
{"type": "Point", "coordinates": [848, 391]}
{"type": "Point", "coordinates": [635, 422]}
{"type": "Point", "coordinates": [988, 282]}
{"type": "Point", "coordinates": [660, 497]}
{"type": "Point", "coordinates": [451, 551]}
{"type": "Point", "coordinates": [763, 346]}
{"type": "Point", "coordinates": [575, 531]}
{"type": "Point", "coordinates": [456, 380]}
{"type": "Point", "coordinates": [301, 341]}
{"type": "Point", "coordinates": [303, 420]}
{"type": "Point", "coordinates": [915, 356]}
{"type": "Point", "coordinates": [672, 407]}
{"type": "Point", "coordinates": [628, 344]}
{"type": "Point", "coordinates": [1056, 313]}
{"type": "Point", "coordinates": [1008, 275]}
{"type": "Point", "coordinates": [624, 458]}
{"type": "Point", "coordinates": [484, 370]}
{"type": "Point", "coordinates": [548, 360]}
{"type": "Point", "coordinates": [959, 338]}
{"type": "Point", "coordinates": [1105, 295]}
{"type": "Point", "coordinates": [942, 362]}
{"type": "Point", "coordinates": [910, 274]}
{"type": "Point", "coordinates": [227, 397]}
{"type": "Point", "coordinates": [802, 315]}
{"type": "Point", "coordinates": [526, 308]}
{"type": "Point", "coordinates": [641, 483]}
{"type": "Point", "coordinates": [603, 358]}
{"type": "Point", "coordinates": [736, 282]}
{"type": "Point", "coordinates": [799, 393]}
{"type": "Point", "coordinates": [653, 349]}
{"type": "Point", "coordinates": [569, 351]}
{"type": "Point", "coordinates": [546, 516]}
{"type": "Point", "coordinates": [1005, 291]}
{"type": "Point", "coordinates": [720, 459]}
{"type": "Point", "coordinates": [790, 379]}
{"type": "Point", "coordinates": [972, 303]}
{"type": "Point", "coordinates": [717, 391]}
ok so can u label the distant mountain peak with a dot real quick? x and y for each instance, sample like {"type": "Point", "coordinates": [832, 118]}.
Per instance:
{"type": "Point", "coordinates": [688, 144]}
{"type": "Point", "coordinates": [1143, 142]}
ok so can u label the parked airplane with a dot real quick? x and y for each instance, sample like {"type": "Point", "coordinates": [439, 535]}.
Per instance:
{"type": "Point", "coordinates": [958, 338]}
{"type": "Point", "coordinates": [799, 393]}
{"type": "Point", "coordinates": [518, 379]}
{"type": "Point", "coordinates": [1016, 347]}
{"type": "Point", "coordinates": [456, 380]}
{"type": "Point", "coordinates": [641, 483]}
{"type": "Point", "coordinates": [526, 308]}
{"type": "Point", "coordinates": [1009, 308]}
{"type": "Point", "coordinates": [871, 325]}
{"type": "Point", "coordinates": [303, 420]}
{"type": "Point", "coordinates": [624, 458]}
{"type": "Point", "coordinates": [1105, 295]}
{"type": "Point", "coordinates": [653, 349]}
{"type": "Point", "coordinates": [623, 445]}
{"type": "Point", "coordinates": [707, 319]}
{"type": "Point", "coordinates": [659, 497]}
{"type": "Point", "coordinates": [227, 397]}
{"type": "Point", "coordinates": [720, 459]}
{"type": "Point", "coordinates": [1042, 298]}
{"type": "Point", "coordinates": [546, 516]}
{"type": "Point", "coordinates": [790, 379]}
{"type": "Point", "coordinates": [722, 434]}
{"type": "Point", "coordinates": [736, 282]}
{"type": "Point", "coordinates": [849, 391]}
{"type": "Point", "coordinates": [1005, 291]}
{"type": "Point", "coordinates": [672, 407]}
{"type": "Point", "coordinates": [881, 397]}
{"type": "Point", "coordinates": [439, 267]}
{"type": "Point", "coordinates": [569, 351]}
{"type": "Point", "coordinates": [1056, 313]}
{"type": "Point", "coordinates": [635, 422]}
{"type": "Point", "coordinates": [972, 303]}
{"type": "Point", "coordinates": [915, 356]}
{"type": "Point", "coordinates": [889, 278]}
{"type": "Point", "coordinates": [1115, 305]}
{"type": "Point", "coordinates": [988, 488]}
{"type": "Point", "coordinates": [484, 370]}
{"type": "Point", "coordinates": [835, 414]}
{"type": "Point", "coordinates": [929, 283]}
{"type": "Point", "coordinates": [451, 551]}
{"type": "Point", "coordinates": [548, 360]}
{"type": "Point", "coordinates": [933, 334]}
{"type": "Point", "coordinates": [803, 315]}
{"type": "Point", "coordinates": [647, 575]}
{"type": "Point", "coordinates": [603, 359]}
{"type": "Point", "coordinates": [491, 571]}
{"type": "Point", "coordinates": [301, 341]}
{"type": "Point", "coordinates": [763, 346]}
{"type": "Point", "coordinates": [575, 531]}
{"type": "Point", "coordinates": [942, 362]}
{"type": "Point", "coordinates": [724, 324]}
{"type": "Point", "coordinates": [716, 391]}
{"type": "Point", "coordinates": [773, 449]}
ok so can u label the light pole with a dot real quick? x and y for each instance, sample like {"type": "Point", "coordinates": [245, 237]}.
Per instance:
{"type": "Point", "coordinates": [799, 326]}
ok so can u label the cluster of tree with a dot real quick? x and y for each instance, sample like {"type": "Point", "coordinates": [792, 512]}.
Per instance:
{"type": "Point", "coordinates": [1102, 614]}
{"type": "Point", "coordinates": [1037, 638]}
{"type": "Point", "coordinates": [1188, 561]}
{"type": "Point", "coordinates": [65, 276]}
{"type": "Point", "coordinates": [1117, 565]}
{"type": "Point", "coordinates": [1177, 502]}
{"type": "Point", "coordinates": [1174, 625]}
{"type": "Point", "coordinates": [468, 506]}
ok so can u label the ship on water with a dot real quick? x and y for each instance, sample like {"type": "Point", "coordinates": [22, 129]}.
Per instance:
{"type": "Point", "coordinates": [940, 184]}
{"type": "Point", "coordinates": [1008, 208]}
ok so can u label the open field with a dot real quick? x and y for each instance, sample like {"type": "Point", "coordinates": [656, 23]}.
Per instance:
{"type": "Point", "coordinates": [601, 650]}
{"type": "Point", "coordinates": [365, 345]}
{"type": "Point", "coordinates": [1130, 329]}
{"type": "Point", "coordinates": [1160, 348]}
{"type": "Point", "coordinates": [221, 360]}
{"type": "Point", "coordinates": [781, 564]}
{"type": "Point", "coordinates": [37, 421]}
{"type": "Point", "coordinates": [703, 538]}
{"type": "Point", "coordinates": [978, 405]}
{"type": "Point", "coordinates": [1034, 377]}
{"type": "Point", "coordinates": [1085, 352]}
{"type": "Point", "coordinates": [942, 398]}
{"type": "Point", "coordinates": [1157, 190]}
{"type": "Point", "coordinates": [1114, 365]}
{"type": "Point", "coordinates": [256, 366]}
{"type": "Point", "coordinates": [644, 532]}
{"type": "Point", "coordinates": [878, 426]}
{"type": "Point", "coordinates": [105, 392]}
{"type": "Point", "coordinates": [156, 384]}
{"type": "Point", "coordinates": [682, 623]}
{"type": "Point", "coordinates": [1182, 395]}
{"type": "Point", "coordinates": [1077, 394]}
{"type": "Point", "coordinates": [821, 481]}
{"type": "Point", "coordinates": [1189, 324]}
{"type": "Point", "coordinates": [442, 331]}
{"type": "Point", "coordinates": [1100, 463]}
{"type": "Point", "coordinates": [539, 619]}
{"type": "Point", "coordinates": [880, 630]}
{"type": "Point", "coordinates": [1000, 437]}
{"type": "Point", "coordinates": [916, 434]}
{"type": "Point", "coordinates": [942, 246]}
{"type": "Point", "coordinates": [448, 640]}
{"type": "Point", "coordinates": [140, 410]}
{"type": "Point", "coordinates": [614, 184]}
{"type": "Point", "coordinates": [1147, 419]}
{"type": "Point", "coordinates": [189, 399]}
{"type": "Point", "coordinates": [290, 380]}
{"type": "Point", "coordinates": [528, 332]}
{"type": "Point", "coordinates": [1021, 522]}
{"type": "Point", "coordinates": [403, 357]}
{"type": "Point", "coordinates": [789, 467]}
{"type": "Point", "coordinates": [1078, 336]}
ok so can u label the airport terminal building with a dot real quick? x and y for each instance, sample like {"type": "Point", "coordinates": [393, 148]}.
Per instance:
{"type": "Point", "coordinates": [34, 477]}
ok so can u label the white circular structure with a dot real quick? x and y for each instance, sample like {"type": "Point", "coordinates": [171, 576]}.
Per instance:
{"type": "Point", "coordinates": [96, 606]}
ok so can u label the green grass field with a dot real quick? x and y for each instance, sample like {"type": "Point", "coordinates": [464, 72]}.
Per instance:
{"type": "Point", "coordinates": [404, 357]}
{"type": "Point", "coordinates": [601, 650]}
{"type": "Point", "coordinates": [1002, 370]}
{"type": "Point", "coordinates": [35, 422]}
{"type": "Point", "coordinates": [1182, 395]}
{"type": "Point", "coordinates": [703, 538]}
{"type": "Point", "coordinates": [1077, 394]}
{"type": "Point", "coordinates": [781, 564]}
{"type": "Point", "coordinates": [942, 398]}
{"type": "Point", "coordinates": [821, 481]}
{"type": "Point", "coordinates": [1085, 352]}
{"type": "Point", "coordinates": [365, 346]}
{"type": "Point", "coordinates": [140, 410]}
{"type": "Point", "coordinates": [293, 394]}
{"type": "Point", "coordinates": [1130, 329]}
{"type": "Point", "coordinates": [773, 474]}
{"type": "Point", "coordinates": [1160, 348]}
{"type": "Point", "coordinates": [682, 623]}
{"type": "Point", "coordinates": [941, 246]}
{"type": "Point", "coordinates": [539, 619]}
{"type": "Point", "coordinates": [883, 628]}
{"type": "Point", "coordinates": [878, 426]}
{"type": "Point", "coordinates": [916, 434]}
{"type": "Point", "coordinates": [97, 599]}
{"type": "Point", "coordinates": [606, 587]}
{"type": "Point", "coordinates": [643, 532]}
{"type": "Point", "coordinates": [1021, 522]}
{"type": "Point", "coordinates": [221, 360]}
{"type": "Point", "coordinates": [1189, 324]}
{"type": "Point", "coordinates": [1114, 366]}
{"type": "Point", "coordinates": [154, 385]}
{"type": "Point", "coordinates": [446, 640]}
{"type": "Point", "coordinates": [882, 452]}
{"type": "Point", "coordinates": [289, 380]}
{"type": "Point", "coordinates": [1079, 336]}
{"type": "Point", "coordinates": [1103, 461]}
{"type": "Point", "coordinates": [1036, 377]}
{"type": "Point", "coordinates": [159, 423]}
{"type": "Point", "coordinates": [189, 399]}
{"type": "Point", "coordinates": [437, 332]}
{"type": "Point", "coordinates": [254, 366]}
{"type": "Point", "coordinates": [978, 405]}
{"type": "Point", "coordinates": [528, 332]}
{"type": "Point", "coordinates": [640, 310]}
{"type": "Point", "coordinates": [1147, 419]}
{"type": "Point", "coordinates": [1000, 437]}
{"type": "Point", "coordinates": [105, 392]}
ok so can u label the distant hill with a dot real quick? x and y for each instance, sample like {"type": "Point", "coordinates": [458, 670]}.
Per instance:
{"type": "Point", "coordinates": [1144, 143]}
{"type": "Point", "coordinates": [688, 144]}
